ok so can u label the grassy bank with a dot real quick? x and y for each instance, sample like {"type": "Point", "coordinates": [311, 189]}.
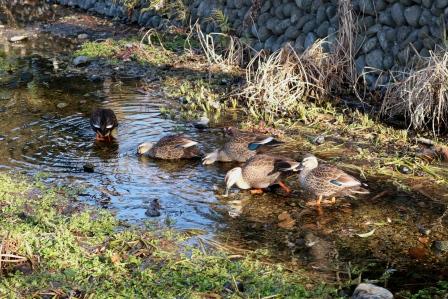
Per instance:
{"type": "Point", "coordinates": [52, 246]}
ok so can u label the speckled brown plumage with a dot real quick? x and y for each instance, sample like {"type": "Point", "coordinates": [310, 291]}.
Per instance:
{"type": "Point", "coordinates": [172, 147]}
{"type": "Point", "coordinates": [103, 122]}
{"type": "Point", "coordinates": [262, 171]}
{"type": "Point", "coordinates": [323, 180]}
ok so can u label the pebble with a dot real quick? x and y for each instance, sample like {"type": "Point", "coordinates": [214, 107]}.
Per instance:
{"type": "Point", "coordinates": [440, 246]}
{"type": "Point", "coordinates": [89, 167]}
{"type": "Point", "coordinates": [404, 169]}
{"type": "Point", "coordinates": [371, 291]}
{"type": "Point", "coordinates": [83, 36]}
{"type": "Point", "coordinates": [18, 38]}
{"type": "Point", "coordinates": [319, 139]}
{"type": "Point", "coordinates": [61, 105]}
{"type": "Point", "coordinates": [423, 230]}
{"type": "Point", "coordinates": [81, 60]}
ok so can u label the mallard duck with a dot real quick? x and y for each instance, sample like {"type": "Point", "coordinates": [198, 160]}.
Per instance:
{"type": "Point", "coordinates": [240, 147]}
{"type": "Point", "coordinates": [103, 122]}
{"type": "Point", "coordinates": [260, 172]}
{"type": "Point", "coordinates": [170, 148]}
{"type": "Point", "coordinates": [323, 180]}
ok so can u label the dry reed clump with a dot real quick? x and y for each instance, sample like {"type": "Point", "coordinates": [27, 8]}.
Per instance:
{"type": "Point", "coordinates": [276, 84]}
{"type": "Point", "coordinates": [421, 95]}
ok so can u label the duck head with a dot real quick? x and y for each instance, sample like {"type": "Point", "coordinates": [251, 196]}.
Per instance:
{"type": "Point", "coordinates": [309, 161]}
{"type": "Point", "coordinates": [144, 148]}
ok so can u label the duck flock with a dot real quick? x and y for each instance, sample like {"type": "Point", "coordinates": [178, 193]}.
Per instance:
{"type": "Point", "coordinates": [258, 170]}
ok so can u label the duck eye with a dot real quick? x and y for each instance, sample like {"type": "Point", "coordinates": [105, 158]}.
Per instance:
{"type": "Point", "coordinates": [109, 126]}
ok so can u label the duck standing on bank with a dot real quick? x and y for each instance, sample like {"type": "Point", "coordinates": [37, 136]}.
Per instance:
{"type": "Point", "coordinates": [323, 180]}
{"type": "Point", "coordinates": [260, 172]}
{"type": "Point", "coordinates": [240, 147]}
{"type": "Point", "coordinates": [170, 148]}
{"type": "Point", "coordinates": [103, 122]}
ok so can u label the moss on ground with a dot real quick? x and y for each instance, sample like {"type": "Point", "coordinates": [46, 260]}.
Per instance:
{"type": "Point", "coordinates": [51, 246]}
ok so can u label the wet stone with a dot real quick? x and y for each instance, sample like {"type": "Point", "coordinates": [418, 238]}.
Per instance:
{"type": "Point", "coordinates": [88, 167]}
{"type": "Point", "coordinates": [81, 60]}
{"type": "Point", "coordinates": [404, 169]}
{"type": "Point", "coordinates": [18, 38]}
{"type": "Point", "coordinates": [61, 105]}
{"type": "Point", "coordinates": [440, 246]}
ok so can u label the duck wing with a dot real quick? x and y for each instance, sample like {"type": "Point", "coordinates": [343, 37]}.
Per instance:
{"type": "Point", "coordinates": [336, 176]}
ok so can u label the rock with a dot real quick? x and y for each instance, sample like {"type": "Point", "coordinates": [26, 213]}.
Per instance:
{"type": "Point", "coordinates": [374, 59]}
{"type": "Point", "coordinates": [441, 3]}
{"type": "Point", "coordinates": [292, 33]}
{"type": "Point", "coordinates": [440, 246]}
{"type": "Point", "coordinates": [154, 208]}
{"type": "Point", "coordinates": [319, 140]}
{"type": "Point", "coordinates": [403, 56]}
{"type": "Point", "coordinates": [373, 30]}
{"type": "Point", "coordinates": [380, 5]}
{"type": "Point", "coordinates": [83, 36]}
{"type": "Point", "coordinates": [89, 167]}
{"type": "Point", "coordinates": [360, 63]}
{"type": "Point", "coordinates": [296, 15]}
{"type": "Point", "coordinates": [266, 6]}
{"type": "Point", "coordinates": [264, 33]}
{"type": "Point", "coordinates": [331, 11]}
{"type": "Point", "coordinates": [397, 13]}
{"type": "Point", "coordinates": [321, 14]}
{"type": "Point", "coordinates": [369, 45]}
{"type": "Point", "coordinates": [425, 17]}
{"type": "Point", "coordinates": [370, 291]}
{"type": "Point", "coordinates": [299, 44]}
{"type": "Point", "coordinates": [388, 62]}
{"type": "Point", "coordinates": [382, 39]}
{"type": "Point", "coordinates": [309, 26]}
{"type": "Point", "coordinates": [403, 33]}
{"type": "Point", "coordinates": [429, 43]}
{"type": "Point", "coordinates": [304, 4]}
{"type": "Point", "coordinates": [391, 35]}
{"type": "Point", "coordinates": [385, 17]}
{"type": "Point", "coordinates": [412, 15]}
{"type": "Point", "coordinates": [61, 105]}
{"type": "Point", "coordinates": [81, 60]}
{"type": "Point", "coordinates": [423, 230]}
{"type": "Point", "coordinates": [404, 169]}
{"type": "Point", "coordinates": [309, 40]}
{"type": "Point", "coordinates": [367, 7]}
{"type": "Point", "coordinates": [322, 30]}
{"type": "Point", "coordinates": [427, 3]}
{"type": "Point", "coordinates": [279, 12]}
{"type": "Point", "coordinates": [18, 38]}
{"type": "Point", "coordinates": [366, 22]}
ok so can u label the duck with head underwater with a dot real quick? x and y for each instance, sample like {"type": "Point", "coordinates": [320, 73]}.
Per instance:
{"type": "Point", "coordinates": [103, 122]}
{"type": "Point", "coordinates": [260, 172]}
{"type": "Point", "coordinates": [171, 147]}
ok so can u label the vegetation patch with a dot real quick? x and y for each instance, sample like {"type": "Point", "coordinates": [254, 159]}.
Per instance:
{"type": "Point", "coordinates": [53, 246]}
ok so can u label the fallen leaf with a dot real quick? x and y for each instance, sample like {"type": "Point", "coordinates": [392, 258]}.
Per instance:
{"type": "Point", "coordinates": [417, 252]}
{"type": "Point", "coordinates": [423, 240]}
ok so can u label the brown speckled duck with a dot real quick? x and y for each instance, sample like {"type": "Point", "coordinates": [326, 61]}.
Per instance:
{"type": "Point", "coordinates": [170, 148]}
{"type": "Point", "coordinates": [323, 180]}
{"type": "Point", "coordinates": [260, 172]}
{"type": "Point", "coordinates": [103, 122]}
{"type": "Point", "coordinates": [240, 147]}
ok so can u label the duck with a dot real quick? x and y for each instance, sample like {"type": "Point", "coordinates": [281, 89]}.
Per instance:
{"type": "Point", "coordinates": [103, 122]}
{"type": "Point", "coordinates": [170, 147]}
{"type": "Point", "coordinates": [260, 172]}
{"type": "Point", "coordinates": [324, 180]}
{"type": "Point", "coordinates": [240, 147]}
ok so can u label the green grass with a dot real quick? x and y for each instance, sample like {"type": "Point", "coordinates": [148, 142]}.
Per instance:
{"type": "Point", "coordinates": [71, 249]}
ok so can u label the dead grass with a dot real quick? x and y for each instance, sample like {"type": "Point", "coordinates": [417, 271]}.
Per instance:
{"type": "Point", "coordinates": [422, 95]}
{"type": "Point", "coordinates": [277, 84]}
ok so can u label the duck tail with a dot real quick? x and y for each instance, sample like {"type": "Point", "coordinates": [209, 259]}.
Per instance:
{"type": "Point", "coordinates": [210, 158]}
{"type": "Point", "coordinates": [360, 190]}
{"type": "Point", "coordinates": [269, 141]}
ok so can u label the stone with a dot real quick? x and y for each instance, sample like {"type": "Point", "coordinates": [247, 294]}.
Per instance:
{"type": "Point", "coordinates": [374, 59]}
{"type": "Point", "coordinates": [429, 43]}
{"type": "Point", "coordinates": [271, 24]}
{"type": "Point", "coordinates": [406, 2]}
{"type": "Point", "coordinates": [440, 246]}
{"type": "Point", "coordinates": [412, 15]}
{"type": "Point", "coordinates": [88, 167]}
{"type": "Point", "coordinates": [309, 40]}
{"type": "Point", "coordinates": [373, 30]}
{"type": "Point", "coordinates": [391, 34]}
{"type": "Point", "coordinates": [425, 53]}
{"type": "Point", "coordinates": [266, 6]}
{"type": "Point", "coordinates": [423, 32]}
{"type": "Point", "coordinates": [382, 39]}
{"type": "Point", "coordinates": [304, 4]}
{"type": "Point", "coordinates": [300, 42]}
{"type": "Point", "coordinates": [279, 12]}
{"type": "Point", "coordinates": [61, 105]}
{"type": "Point", "coordinates": [369, 45]}
{"type": "Point", "coordinates": [397, 13]}
{"type": "Point", "coordinates": [303, 21]}
{"type": "Point", "coordinates": [425, 17]}
{"type": "Point", "coordinates": [436, 11]}
{"type": "Point", "coordinates": [441, 3]}
{"type": "Point", "coordinates": [402, 33]}
{"type": "Point", "coordinates": [403, 56]}
{"type": "Point", "coordinates": [83, 36]}
{"type": "Point", "coordinates": [388, 62]}
{"type": "Point", "coordinates": [288, 9]}
{"type": "Point", "coordinates": [281, 27]}
{"type": "Point", "coordinates": [331, 11]}
{"type": "Point", "coordinates": [81, 60]}
{"type": "Point", "coordinates": [238, 3]}
{"type": "Point", "coordinates": [321, 14]}
{"type": "Point", "coordinates": [427, 3]}
{"type": "Point", "coordinates": [264, 33]}
{"type": "Point", "coordinates": [154, 209]}
{"type": "Point", "coordinates": [385, 17]}
{"type": "Point", "coordinates": [270, 42]}
{"type": "Point", "coordinates": [366, 22]}
{"type": "Point", "coordinates": [370, 291]}
{"type": "Point", "coordinates": [380, 5]}
{"type": "Point", "coordinates": [309, 26]}
{"type": "Point", "coordinates": [367, 7]}
{"type": "Point", "coordinates": [296, 14]}
{"type": "Point", "coordinates": [292, 33]}
{"type": "Point", "coordinates": [435, 31]}
{"type": "Point", "coordinates": [322, 30]}
{"type": "Point", "coordinates": [263, 18]}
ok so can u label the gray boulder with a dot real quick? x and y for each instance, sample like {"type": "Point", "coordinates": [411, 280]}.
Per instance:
{"type": "Point", "coordinates": [374, 59]}
{"type": "Point", "coordinates": [81, 60]}
{"type": "Point", "coordinates": [412, 15]}
{"type": "Point", "coordinates": [309, 40]}
{"type": "Point", "coordinates": [370, 291]}
{"type": "Point", "coordinates": [397, 13]}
